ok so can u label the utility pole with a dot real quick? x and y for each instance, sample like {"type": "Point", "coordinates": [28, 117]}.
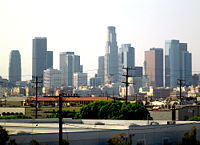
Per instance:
{"type": "Point", "coordinates": [136, 98]}
{"type": "Point", "coordinates": [61, 95]}
{"type": "Point", "coordinates": [180, 83]}
{"type": "Point", "coordinates": [127, 83]}
{"type": "Point", "coordinates": [60, 119]}
{"type": "Point", "coordinates": [36, 95]}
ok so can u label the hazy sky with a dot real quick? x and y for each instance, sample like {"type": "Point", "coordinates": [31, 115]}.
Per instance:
{"type": "Point", "coordinates": [81, 26]}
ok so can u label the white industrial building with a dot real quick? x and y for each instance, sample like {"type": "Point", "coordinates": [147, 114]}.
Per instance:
{"type": "Point", "coordinates": [88, 132]}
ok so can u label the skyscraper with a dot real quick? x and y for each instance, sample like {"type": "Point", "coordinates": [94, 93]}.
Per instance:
{"type": "Point", "coordinates": [186, 71]}
{"type": "Point", "coordinates": [15, 66]}
{"type": "Point", "coordinates": [69, 64]}
{"type": "Point", "coordinates": [111, 58]}
{"type": "Point", "coordinates": [178, 63]}
{"type": "Point", "coordinates": [154, 66]}
{"type": "Point", "coordinates": [127, 57]}
{"type": "Point", "coordinates": [41, 58]}
{"type": "Point", "coordinates": [49, 59]}
{"type": "Point", "coordinates": [100, 74]}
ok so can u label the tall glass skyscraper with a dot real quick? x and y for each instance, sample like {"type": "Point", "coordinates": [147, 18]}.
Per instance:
{"type": "Point", "coordinates": [127, 57]}
{"type": "Point", "coordinates": [178, 63]}
{"type": "Point", "coordinates": [15, 66]}
{"type": "Point", "coordinates": [100, 74]}
{"type": "Point", "coordinates": [111, 58]}
{"type": "Point", "coordinates": [41, 58]}
{"type": "Point", "coordinates": [69, 64]}
{"type": "Point", "coordinates": [49, 59]}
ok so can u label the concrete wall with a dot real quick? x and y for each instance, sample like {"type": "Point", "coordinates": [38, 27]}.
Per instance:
{"type": "Point", "coordinates": [161, 115]}
{"type": "Point", "coordinates": [188, 112]}
{"type": "Point", "coordinates": [182, 113]}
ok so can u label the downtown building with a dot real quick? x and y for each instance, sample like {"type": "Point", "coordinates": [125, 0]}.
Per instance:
{"type": "Point", "coordinates": [111, 71]}
{"type": "Point", "coordinates": [154, 66]}
{"type": "Point", "coordinates": [95, 81]}
{"type": "Point", "coordinates": [52, 78]}
{"type": "Point", "coordinates": [41, 58]}
{"type": "Point", "coordinates": [80, 79]}
{"type": "Point", "coordinates": [178, 63]}
{"type": "Point", "coordinates": [69, 64]}
{"type": "Point", "coordinates": [127, 58]}
{"type": "Point", "coordinates": [100, 73]}
{"type": "Point", "coordinates": [14, 67]}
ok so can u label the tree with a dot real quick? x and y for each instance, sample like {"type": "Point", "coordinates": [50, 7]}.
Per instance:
{"type": "Point", "coordinates": [65, 142]}
{"type": "Point", "coordinates": [113, 110]}
{"type": "Point", "coordinates": [189, 139]}
{"type": "Point", "coordinates": [34, 142]}
{"type": "Point", "coordinates": [12, 142]}
{"type": "Point", "coordinates": [3, 136]}
{"type": "Point", "coordinates": [120, 139]}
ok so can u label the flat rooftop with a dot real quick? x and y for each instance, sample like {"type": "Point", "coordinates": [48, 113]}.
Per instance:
{"type": "Point", "coordinates": [35, 126]}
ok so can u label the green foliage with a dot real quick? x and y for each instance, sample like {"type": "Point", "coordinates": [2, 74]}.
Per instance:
{"type": "Point", "coordinates": [120, 139]}
{"type": "Point", "coordinates": [139, 143]}
{"type": "Point", "coordinates": [189, 139]}
{"type": "Point", "coordinates": [113, 110]}
{"type": "Point", "coordinates": [15, 117]}
{"type": "Point", "coordinates": [195, 118]}
{"type": "Point", "coordinates": [66, 114]}
{"type": "Point", "coordinates": [12, 142]}
{"type": "Point", "coordinates": [3, 136]}
{"type": "Point", "coordinates": [34, 142]}
{"type": "Point", "coordinates": [65, 142]}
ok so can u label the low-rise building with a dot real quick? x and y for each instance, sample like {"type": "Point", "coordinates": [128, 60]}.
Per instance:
{"type": "Point", "coordinates": [73, 100]}
{"type": "Point", "coordinates": [52, 78]}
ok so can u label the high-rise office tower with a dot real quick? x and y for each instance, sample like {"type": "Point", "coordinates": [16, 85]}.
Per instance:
{"type": "Point", "coordinates": [15, 66]}
{"type": "Point", "coordinates": [111, 58]}
{"type": "Point", "coordinates": [154, 66]}
{"type": "Point", "coordinates": [69, 64]}
{"type": "Point", "coordinates": [186, 67]}
{"type": "Point", "coordinates": [49, 59]}
{"type": "Point", "coordinates": [81, 68]}
{"type": "Point", "coordinates": [138, 71]}
{"type": "Point", "coordinates": [178, 63]}
{"type": "Point", "coordinates": [41, 58]}
{"type": "Point", "coordinates": [127, 57]}
{"type": "Point", "coordinates": [100, 74]}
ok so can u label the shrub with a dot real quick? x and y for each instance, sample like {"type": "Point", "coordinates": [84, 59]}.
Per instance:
{"type": "Point", "coordinates": [120, 139]}
{"type": "Point", "coordinates": [15, 117]}
{"type": "Point", "coordinates": [34, 142]}
{"type": "Point", "coordinates": [189, 139]}
{"type": "Point", "coordinates": [195, 118]}
{"type": "Point", "coordinates": [66, 114]}
{"type": "Point", "coordinates": [3, 136]}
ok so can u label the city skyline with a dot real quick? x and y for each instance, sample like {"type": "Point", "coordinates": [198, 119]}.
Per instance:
{"type": "Point", "coordinates": [142, 24]}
